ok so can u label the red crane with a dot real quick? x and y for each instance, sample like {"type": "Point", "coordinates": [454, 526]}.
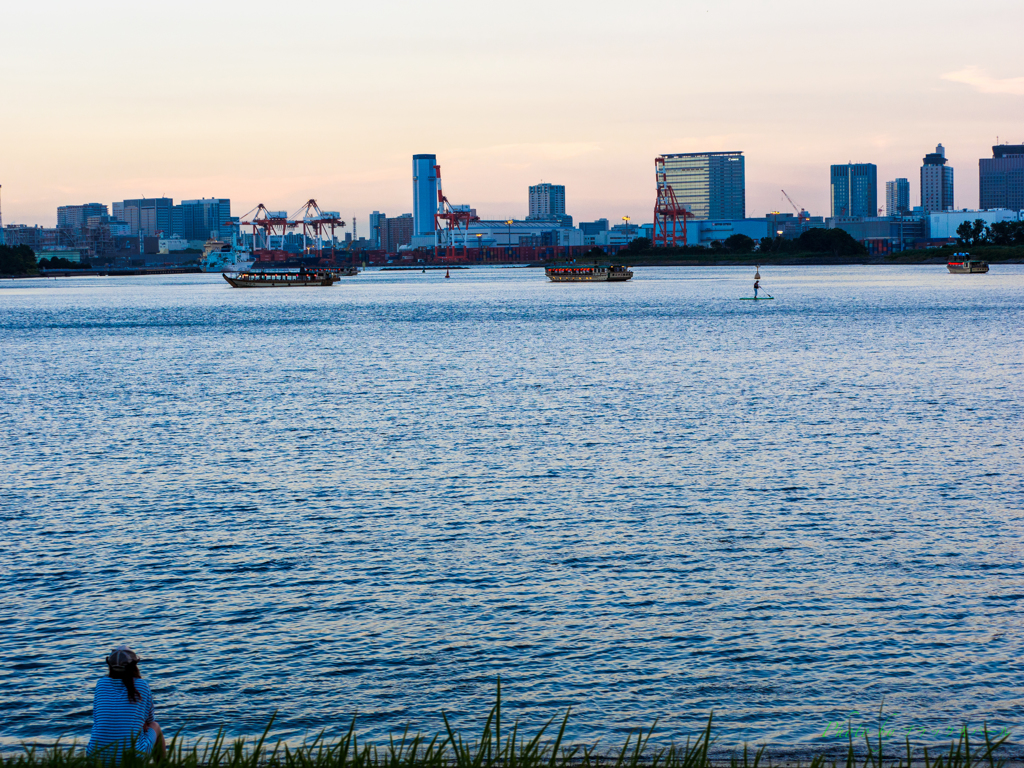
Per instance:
{"type": "Point", "coordinates": [269, 223]}
{"type": "Point", "coordinates": [454, 222]}
{"type": "Point", "coordinates": [668, 213]}
{"type": "Point", "coordinates": [317, 226]}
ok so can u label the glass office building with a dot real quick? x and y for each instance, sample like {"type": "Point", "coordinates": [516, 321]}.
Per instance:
{"type": "Point", "coordinates": [149, 216]}
{"type": "Point", "coordinates": [855, 189]}
{"type": "Point", "coordinates": [424, 193]}
{"type": "Point", "coordinates": [710, 185]}
{"type": "Point", "coordinates": [1001, 178]}
{"type": "Point", "coordinates": [204, 218]}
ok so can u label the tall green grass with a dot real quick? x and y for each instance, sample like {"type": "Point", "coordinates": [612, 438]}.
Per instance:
{"type": "Point", "coordinates": [496, 747]}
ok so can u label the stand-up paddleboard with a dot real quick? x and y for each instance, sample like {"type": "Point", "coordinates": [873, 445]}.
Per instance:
{"type": "Point", "coordinates": [757, 287]}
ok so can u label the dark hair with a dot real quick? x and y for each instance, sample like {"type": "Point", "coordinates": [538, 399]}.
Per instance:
{"type": "Point", "coordinates": [128, 675]}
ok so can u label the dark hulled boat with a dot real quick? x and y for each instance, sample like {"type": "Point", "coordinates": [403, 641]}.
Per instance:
{"type": "Point", "coordinates": [282, 278]}
{"type": "Point", "coordinates": [962, 264]}
{"type": "Point", "coordinates": [603, 273]}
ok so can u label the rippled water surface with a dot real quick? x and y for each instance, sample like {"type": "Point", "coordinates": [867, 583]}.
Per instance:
{"type": "Point", "coordinates": [639, 500]}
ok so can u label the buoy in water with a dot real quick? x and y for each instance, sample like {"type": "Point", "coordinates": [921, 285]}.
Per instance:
{"type": "Point", "coordinates": [447, 273]}
{"type": "Point", "coordinates": [757, 272]}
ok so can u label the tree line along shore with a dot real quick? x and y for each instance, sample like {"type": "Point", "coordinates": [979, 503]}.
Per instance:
{"type": "Point", "coordinates": [21, 260]}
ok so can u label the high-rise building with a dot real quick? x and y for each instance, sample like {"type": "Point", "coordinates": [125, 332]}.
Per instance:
{"type": "Point", "coordinates": [855, 189]}
{"type": "Point", "coordinates": [395, 232]}
{"type": "Point", "coordinates": [1001, 178]}
{"type": "Point", "coordinates": [204, 218]}
{"type": "Point", "coordinates": [148, 215]}
{"type": "Point", "coordinates": [547, 202]}
{"type": "Point", "coordinates": [936, 182]}
{"type": "Point", "coordinates": [897, 197]}
{"type": "Point", "coordinates": [424, 193]}
{"type": "Point", "coordinates": [76, 216]}
{"type": "Point", "coordinates": [375, 220]}
{"type": "Point", "coordinates": [711, 185]}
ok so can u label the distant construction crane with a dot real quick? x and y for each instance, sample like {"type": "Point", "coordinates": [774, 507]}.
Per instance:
{"type": "Point", "coordinates": [668, 213]}
{"type": "Point", "coordinates": [801, 213]}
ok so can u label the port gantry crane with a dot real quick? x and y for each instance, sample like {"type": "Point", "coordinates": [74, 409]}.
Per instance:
{"type": "Point", "coordinates": [454, 221]}
{"type": "Point", "coordinates": [316, 225]}
{"type": "Point", "coordinates": [268, 223]}
{"type": "Point", "coordinates": [668, 213]}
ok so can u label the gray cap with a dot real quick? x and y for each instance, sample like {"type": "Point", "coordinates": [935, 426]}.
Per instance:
{"type": "Point", "coordinates": [120, 658]}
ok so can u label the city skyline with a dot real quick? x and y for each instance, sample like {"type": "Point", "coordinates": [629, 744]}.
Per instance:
{"type": "Point", "coordinates": [339, 139]}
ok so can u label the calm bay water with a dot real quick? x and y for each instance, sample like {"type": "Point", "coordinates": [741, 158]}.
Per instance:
{"type": "Point", "coordinates": [639, 500]}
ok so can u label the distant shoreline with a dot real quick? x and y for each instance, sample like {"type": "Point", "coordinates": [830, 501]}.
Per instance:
{"type": "Point", "coordinates": [930, 257]}
{"type": "Point", "coordinates": [107, 272]}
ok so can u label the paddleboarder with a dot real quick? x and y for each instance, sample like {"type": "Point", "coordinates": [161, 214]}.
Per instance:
{"type": "Point", "coordinates": [757, 285]}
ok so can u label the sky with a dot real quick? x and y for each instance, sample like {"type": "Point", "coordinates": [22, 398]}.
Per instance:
{"type": "Point", "coordinates": [277, 103]}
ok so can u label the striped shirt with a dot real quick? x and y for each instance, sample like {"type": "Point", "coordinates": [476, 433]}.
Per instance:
{"type": "Point", "coordinates": [117, 723]}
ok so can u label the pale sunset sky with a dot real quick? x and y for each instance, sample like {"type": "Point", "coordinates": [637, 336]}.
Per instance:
{"type": "Point", "coordinates": [280, 102]}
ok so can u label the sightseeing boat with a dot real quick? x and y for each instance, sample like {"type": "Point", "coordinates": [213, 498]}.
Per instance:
{"type": "Point", "coordinates": [281, 278]}
{"type": "Point", "coordinates": [962, 264]}
{"type": "Point", "coordinates": [574, 273]}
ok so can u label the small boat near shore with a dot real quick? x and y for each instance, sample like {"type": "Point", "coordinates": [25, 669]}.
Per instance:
{"type": "Point", "coordinates": [963, 264]}
{"type": "Point", "coordinates": [282, 278]}
{"type": "Point", "coordinates": [603, 273]}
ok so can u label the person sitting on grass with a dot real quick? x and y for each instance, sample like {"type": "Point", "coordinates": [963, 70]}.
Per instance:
{"type": "Point", "coordinates": [122, 712]}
